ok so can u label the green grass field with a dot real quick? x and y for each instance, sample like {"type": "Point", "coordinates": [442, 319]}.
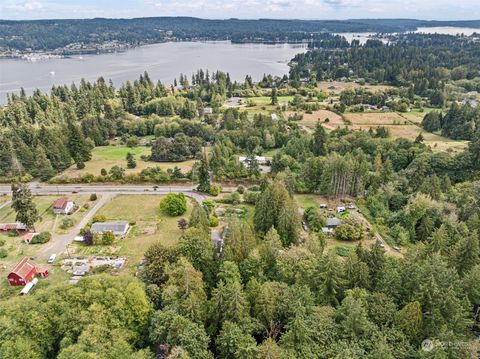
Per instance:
{"type": "Point", "coordinates": [267, 100]}
{"type": "Point", "coordinates": [108, 156]}
{"type": "Point", "coordinates": [151, 225]}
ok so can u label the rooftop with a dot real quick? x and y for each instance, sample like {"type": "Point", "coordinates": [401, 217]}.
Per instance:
{"type": "Point", "coordinates": [60, 203]}
{"type": "Point", "coordinates": [118, 227]}
{"type": "Point", "coordinates": [334, 222]}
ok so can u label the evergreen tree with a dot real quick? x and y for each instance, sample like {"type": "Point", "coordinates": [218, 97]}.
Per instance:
{"type": "Point", "coordinates": [44, 168]}
{"type": "Point", "coordinates": [77, 145]}
{"type": "Point", "coordinates": [319, 141]}
{"type": "Point", "coordinates": [274, 96]}
{"type": "Point", "coordinates": [22, 203]}
{"type": "Point", "coordinates": [275, 208]}
{"type": "Point", "coordinates": [203, 176]}
{"type": "Point", "coordinates": [199, 218]}
{"type": "Point", "coordinates": [131, 162]}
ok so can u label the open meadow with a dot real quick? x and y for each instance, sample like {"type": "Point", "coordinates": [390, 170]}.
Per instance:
{"type": "Point", "coordinates": [108, 156]}
{"type": "Point", "coordinates": [328, 119]}
{"type": "Point", "coordinates": [339, 86]}
{"type": "Point", "coordinates": [402, 126]}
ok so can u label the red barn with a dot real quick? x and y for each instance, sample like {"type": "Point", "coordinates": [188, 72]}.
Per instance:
{"type": "Point", "coordinates": [23, 272]}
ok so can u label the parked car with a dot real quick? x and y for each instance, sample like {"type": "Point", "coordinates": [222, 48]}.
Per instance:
{"type": "Point", "coordinates": [52, 258]}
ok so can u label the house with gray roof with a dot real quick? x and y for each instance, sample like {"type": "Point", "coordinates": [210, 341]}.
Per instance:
{"type": "Point", "coordinates": [333, 222]}
{"type": "Point", "coordinates": [118, 228]}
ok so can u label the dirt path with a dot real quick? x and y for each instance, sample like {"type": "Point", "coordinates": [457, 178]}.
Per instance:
{"type": "Point", "coordinates": [377, 237]}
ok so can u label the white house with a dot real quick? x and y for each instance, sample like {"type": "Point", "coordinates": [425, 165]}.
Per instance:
{"type": "Point", "coordinates": [260, 159]}
{"type": "Point", "coordinates": [63, 205]}
{"type": "Point", "coordinates": [341, 209]}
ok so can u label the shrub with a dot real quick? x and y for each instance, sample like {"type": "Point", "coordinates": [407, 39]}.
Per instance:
{"type": "Point", "coordinates": [348, 232]}
{"type": "Point", "coordinates": [103, 172]}
{"type": "Point", "coordinates": [99, 218]}
{"type": "Point", "coordinates": [251, 196]}
{"type": "Point", "coordinates": [215, 190]}
{"type": "Point", "coordinates": [3, 253]}
{"type": "Point", "coordinates": [174, 204]}
{"type": "Point", "coordinates": [132, 141]}
{"type": "Point", "coordinates": [182, 224]}
{"type": "Point", "coordinates": [88, 238]}
{"type": "Point", "coordinates": [93, 197]}
{"type": "Point", "coordinates": [101, 269]}
{"type": "Point", "coordinates": [213, 221]}
{"type": "Point", "coordinates": [2, 242]}
{"type": "Point", "coordinates": [14, 233]}
{"type": "Point", "coordinates": [41, 238]}
{"type": "Point", "coordinates": [234, 198]}
{"type": "Point", "coordinates": [209, 205]}
{"type": "Point", "coordinates": [240, 189]}
{"type": "Point", "coordinates": [108, 238]}
{"type": "Point", "coordinates": [67, 223]}
{"type": "Point", "coordinates": [84, 230]}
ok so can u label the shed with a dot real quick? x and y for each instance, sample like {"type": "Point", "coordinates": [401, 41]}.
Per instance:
{"type": "Point", "coordinates": [27, 237]}
{"type": "Point", "coordinates": [23, 272]}
{"type": "Point", "coordinates": [7, 227]}
{"type": "Point", "coordinates": [118, 228]}
{"type": "Point", "coordinates": [29, 286]}
{"type": "Point", "coordinates": [43, 272]}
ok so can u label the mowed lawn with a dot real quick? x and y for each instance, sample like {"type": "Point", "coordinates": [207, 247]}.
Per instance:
{"type": "Point", "coordinates": [4, 199]}
{"type": "Point", "coordinates": [108, 156]}
{"type": "Point", "coordinates": [151, 225]}
{"type": "Point", "coordinates": [267, 100]}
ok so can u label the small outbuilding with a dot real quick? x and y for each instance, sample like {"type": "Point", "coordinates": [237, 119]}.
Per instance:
{"type": "Point", "coordinates": [118, 228]}
{"type": "Point", "coordinates": [10, 227]}
{"type": "Point", "coordinates": [23, 272]}
{"type": "Point", "coordinates": [43, 272]}
{"type": "Point", "coordinates": [29, 286]}
{"type": "Point", "coordinates": [27, 237]}
{"type": "Point", "coordinates": [63, 205]}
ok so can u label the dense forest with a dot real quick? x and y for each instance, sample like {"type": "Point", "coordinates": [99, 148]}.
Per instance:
{"type": "Point", "coordinates": [278, 289]}
{"type": "Point", "coordinates": [53, 34]}
{"type": "Point", "coordinates": [277, 293]}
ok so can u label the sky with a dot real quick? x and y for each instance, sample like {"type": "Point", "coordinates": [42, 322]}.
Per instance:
{"type": "Point", "coordinates": [243, 9]}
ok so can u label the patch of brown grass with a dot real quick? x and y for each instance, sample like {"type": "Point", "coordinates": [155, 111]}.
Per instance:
{"type": "Point", "coordinates": [340, 86]}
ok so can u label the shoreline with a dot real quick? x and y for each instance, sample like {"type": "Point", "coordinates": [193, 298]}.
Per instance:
{"type": "Point", "coordinates": [66, 53]}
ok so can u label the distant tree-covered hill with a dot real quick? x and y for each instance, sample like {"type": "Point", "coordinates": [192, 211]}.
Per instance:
{"type": "Point", "coordinates": [53, 34]}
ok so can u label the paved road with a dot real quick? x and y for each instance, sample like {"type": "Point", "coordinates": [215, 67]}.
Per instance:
{"type": "Point", "coordinates": [59, 243]}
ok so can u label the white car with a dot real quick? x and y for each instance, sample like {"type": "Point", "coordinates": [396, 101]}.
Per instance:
{"type": "Point", "coordinates": [52, 258]}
